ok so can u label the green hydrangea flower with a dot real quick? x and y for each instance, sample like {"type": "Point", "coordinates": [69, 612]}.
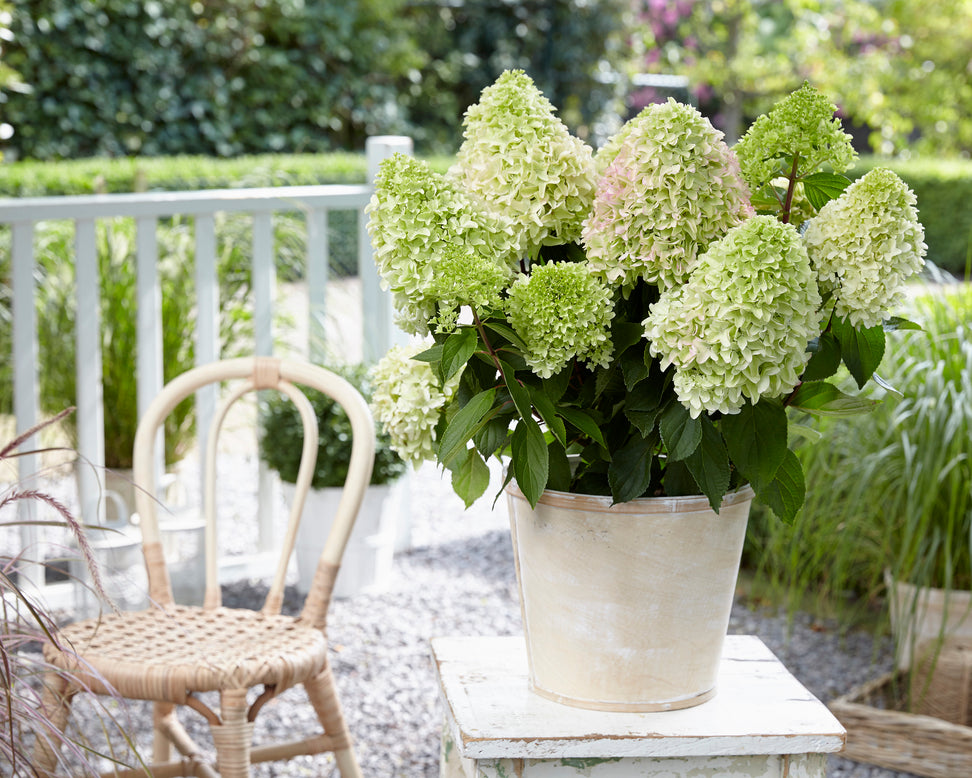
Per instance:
{"type": "Point", "coordinates": [521, 162]}
{"type": "Point", "coordinates": [431, 242]}
{"type": "Point", "coordinates": [671, 189]}
{"type": "Point", "coordinates": [738, 329]}
{"type": "Point", "coordinates": [406, 400]}
{"type": "Point", "coordinates": [561, 311]}
{"type": "Point", "coordinates": [802, 123]}
{"type": "Point", "coordinates": [866, 244]}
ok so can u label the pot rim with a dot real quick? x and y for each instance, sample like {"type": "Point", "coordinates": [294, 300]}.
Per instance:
{"type": "Point", "coordinates": [603, 503]}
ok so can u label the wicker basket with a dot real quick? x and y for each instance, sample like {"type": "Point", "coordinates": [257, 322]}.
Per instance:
{"type": "Point", "coordinates": [941, 684]}
{"type": "Point", "coordinates": [879, 733]}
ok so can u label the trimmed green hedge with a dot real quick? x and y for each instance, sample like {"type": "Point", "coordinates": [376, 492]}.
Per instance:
{"type": "Point", "coordinates": [944, 191]}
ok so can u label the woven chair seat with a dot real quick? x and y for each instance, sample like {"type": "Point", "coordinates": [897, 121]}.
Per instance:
{"type": "Point", "coordinates": [160, 654]}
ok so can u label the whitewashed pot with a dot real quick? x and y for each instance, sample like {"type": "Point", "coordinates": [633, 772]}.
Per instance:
{"type": "Point", "coordinates": [626, 607]}
{"type": "Point", "coordinates": [367, 561]}
{"type": "Point", "coordinates": [922, 615]}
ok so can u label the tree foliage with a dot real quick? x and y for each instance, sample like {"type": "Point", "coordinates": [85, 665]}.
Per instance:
{"type": "Point", "coordinates": [897, 67]}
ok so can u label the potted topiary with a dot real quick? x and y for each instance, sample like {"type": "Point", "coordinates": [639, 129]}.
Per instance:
{"type": "Point", "coordinates": [367, 560]}
{"type": "Point", "coordinates": [631, 330]}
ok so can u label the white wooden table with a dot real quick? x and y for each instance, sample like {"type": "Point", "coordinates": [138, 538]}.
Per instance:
{"type": "Point", "coordinates": [762, 723]}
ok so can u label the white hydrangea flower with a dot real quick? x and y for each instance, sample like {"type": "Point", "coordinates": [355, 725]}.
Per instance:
{"type": "Point", "coordinates": [431, 243]}
{"type": "Point", "coordinates": [866, 244]}
{"type": "Point", "coordinates": [407, 400]}
{"type": "Point", "coordinates": [520, 162]}
{"type": "Point", "coordinates": [561, 311]}
{"type": "Point", "coordinates": [672, 187]}
{"type": "Point", "coordinates": [739, 328]}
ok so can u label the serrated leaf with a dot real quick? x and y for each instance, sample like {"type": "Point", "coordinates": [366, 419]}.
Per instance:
{"type": "Point", "coordinates": [824, 399]}
{"type": "Point", "coordinates": [457, 350]}
{"type": "Point", "coordinates": [559, 474]}
{"type": "Point", "coordinates": [467, 422]}
{"type": "Point", "coordinates": [756, 440]}
{"type": "Point", "coordinates": [786, 492]}
{"type": "Point", "coordinates": [821, 188]}
{"type": "Point", "coordinates": [518, 393]}
{"type": "Point", "coordinates": [824, 359]}
{"type": "Point", "coordinates": [861, 348]}
{"type": "Point", "coordinates": [629, 474]}
{"type": "Point", "coordinates": [582, 422]}
{"type": "Point", "coordinates": [471, 477]}
{"type": "Point", "coordinates": [678, 480]}
{"type": "Point", "coordinates": [625, 334]}
{"type": "Point", "coordinates": [530, 459]}
{"type": "Point", "coordinates": [643, 420]}
{"type": "Point", "coordinates": [680, 433]}
{"type": "Point", "coordinates": [493, 435]}
{"type": "Point", "coordinates": [555, 386]}
{"type": "Point", "coordinates": [709, 464]}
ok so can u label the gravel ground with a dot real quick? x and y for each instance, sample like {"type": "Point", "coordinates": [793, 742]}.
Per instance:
{"type": "Point", "coordinates": [458, 579]}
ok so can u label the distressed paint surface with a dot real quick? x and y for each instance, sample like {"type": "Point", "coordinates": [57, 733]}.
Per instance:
{"type": "Point", "coordinates": [758, 766]}
{"type": "Point", "coordinates": [494, 718]}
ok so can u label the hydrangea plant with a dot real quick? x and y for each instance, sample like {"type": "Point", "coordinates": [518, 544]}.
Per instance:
{"type": "Point", "coordinates": [644, 321]}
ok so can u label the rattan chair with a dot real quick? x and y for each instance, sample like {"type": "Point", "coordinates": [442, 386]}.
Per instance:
{"type": "Point", "coordinates": [170, 654]}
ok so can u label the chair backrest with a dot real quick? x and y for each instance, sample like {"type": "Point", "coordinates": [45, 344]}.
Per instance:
{"type": "Point", "coordinates": [252, 374]}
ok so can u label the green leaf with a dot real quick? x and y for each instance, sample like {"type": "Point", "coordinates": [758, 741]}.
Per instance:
{"type": "Point", "coordinates": [630, 472]}
{"type": "Point", "coordinates": [809, 434]}
{"type": "Point", "coordinates": [470, 477]}
{"type": "Point", "coordinates": [678, 480]}
{"type": "Point", "coordinates": [633, 367]}
{"type": "Point", "coordinates": [467, 422]}
{"type": "Point", "coordinates": [530, 459]}
{"type": "Point", "coordinates": [680, 433]}
{"type": "Point", "coordinates": [457, 350]}
{"type": "Point", "coordinates": [582, 422]}
{"type": "Point", "coordinates": [548, 413]}
{"type": "Point", "coordinates": [555, 386]}
{"type": "Point", "coordinates": [518, 392]}
{"type": "Point", "coordinates": [493, 435]}
{"type": "Point", "coordinates": [862, 349]}
{"type": "Point", "coordinates": [821, 188]}
{"type": "Point", "coordinates": [625, 334]}
{"type": "Point", "coordinates": [825, 358]}
{"type": "Point", "coordinates": [643, 420]}
{"type": "Point", "coordinates": [756, 440]}
{"type": "Point", "coordinates": [506, 332]}
{"type": "Point", "coordinates": [896, 323]}
{"type": "Point", "coordinates": [786, 492]}
{"type": "Point", "coordinates": [824, 399]}
{"type": "Point", "coordinates": [709, 464]}
{"type": "Point", "coordinates": [431, 354]}
{"type": "Point", "coordinates": [559, 475]}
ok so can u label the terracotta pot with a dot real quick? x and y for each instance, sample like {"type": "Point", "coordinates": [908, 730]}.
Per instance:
{"type": "Point", "coordinates": [625, 607]}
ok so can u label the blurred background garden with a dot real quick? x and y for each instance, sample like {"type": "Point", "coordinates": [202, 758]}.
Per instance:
{"type": "Point", "coordinates": [107, 96]}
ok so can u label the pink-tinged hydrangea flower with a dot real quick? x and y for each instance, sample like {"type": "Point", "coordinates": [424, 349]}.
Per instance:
{"type": "Point", "coordinates": [561, 311]}
{"type": "Point", "coordinates": [521, 162]}
{"type": "Point", "coordinates": [672, 188]}
{"type": "Point", "coordinates": [803, 124]}
{"type": "Point", "coordinates": [430, 242]}
{"type": "Point", "coordinates": [738, 329]}
{"type": "Point", "coordinates": [866, 244]}
{"type": "Point", "coordinates": [407, 400]}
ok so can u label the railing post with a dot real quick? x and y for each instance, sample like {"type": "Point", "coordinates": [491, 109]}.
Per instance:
{"type": "Point", "coordinates": [379, 328]}
{"type": "Point", "coordinates": [25, 378]}
{"type": "Point", "coordinates": [89, 415]}
{"type": "Point", "coordinates": [264, 289]}
{"type": "Point", "coordinates": [207, 326]}
{"type": "Point", "coordinates": [149, 326]}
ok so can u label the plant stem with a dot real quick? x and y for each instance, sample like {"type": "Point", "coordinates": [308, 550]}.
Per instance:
{"type": "Point", "coordinates": [788, 202]}
{"type": "Point", "coordinates": [489, 346]}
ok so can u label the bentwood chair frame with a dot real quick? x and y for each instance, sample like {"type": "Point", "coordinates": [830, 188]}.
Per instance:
{"type": "Point", "coordinates": [169, 654]}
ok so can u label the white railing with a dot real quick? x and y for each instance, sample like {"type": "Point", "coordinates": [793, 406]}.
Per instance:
{"type": "Point", "coordinates": [22, 214]}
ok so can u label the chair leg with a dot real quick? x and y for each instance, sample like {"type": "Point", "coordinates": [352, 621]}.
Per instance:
{"type": "Point", "coordinates": [233, 738]}
{"type": "Point", "coordinates": [323, 696]}
{"type": "Point", "coordinates": [161, 745]}
{"type": "Point", "coordinates": [56, 703]}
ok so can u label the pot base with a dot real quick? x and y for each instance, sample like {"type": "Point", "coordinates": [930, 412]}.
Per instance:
{"type": "Point", "coordinates": [624, 707]}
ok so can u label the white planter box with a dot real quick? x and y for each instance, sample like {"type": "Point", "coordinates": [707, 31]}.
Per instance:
{"type": "Point", "coordinates": [366, 565]}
